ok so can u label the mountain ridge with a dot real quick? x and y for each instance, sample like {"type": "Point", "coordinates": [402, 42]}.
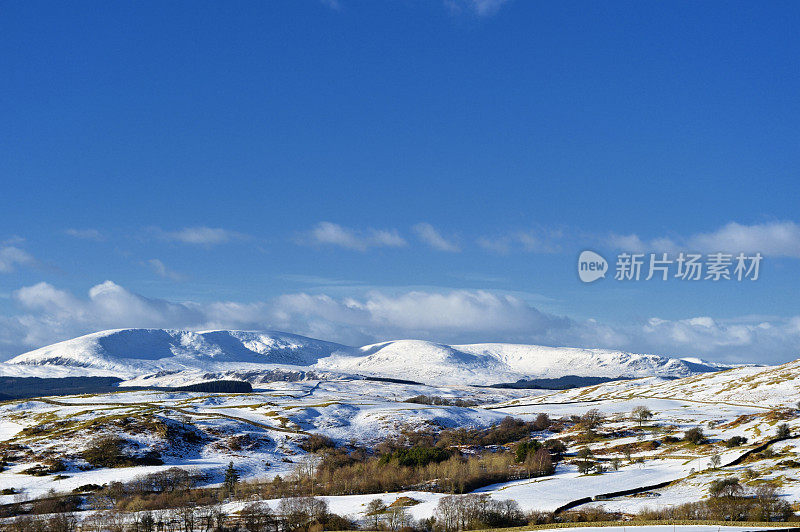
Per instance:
{"type": "Point", "coordinates": [135, 353]}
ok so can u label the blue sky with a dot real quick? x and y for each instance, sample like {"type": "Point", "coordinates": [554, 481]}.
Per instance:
{"type": "Point", "coordinates": [369, 170]}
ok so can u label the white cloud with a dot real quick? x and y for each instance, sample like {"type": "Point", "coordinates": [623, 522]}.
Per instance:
{"type": "Point", "coordinates": [85, 234]}
{"type": "Point", "coordinates": [453, 316]}
{"type": "Point", "coordinates": [53, 314]}
{"type": "Point", "coordinates": [428, 234]}
{"type": "Point", "coordinates": [162, 271]}
{"type": "Point", "coordinates": [328, 233]}
{"type": "Point", "coordinates": [422, 314]}
{"type": "Point", "coordinates": [776, 239]}
{"type": "Point", "coordinates": [200, 235]}
{"type": "Point", "coordinates": [11, 257]}
{"type": "Point", "coordinates": [745, 340]}
{"type": "Point", "coordinates": [46, 298]}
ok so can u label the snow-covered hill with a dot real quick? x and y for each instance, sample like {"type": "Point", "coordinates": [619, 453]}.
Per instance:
{"type": "Point", "coordinates": [169, 355]}
{"type": "Point", "coordinates": [135, 352]}
{"type": "Point", "coordinates": [760, 386]}
{"type": "Point", "coordinates": [495, 363]}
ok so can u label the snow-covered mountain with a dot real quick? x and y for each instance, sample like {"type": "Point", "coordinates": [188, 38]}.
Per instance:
{"type": "Point", "coordinates": [495, 363]}
{"type": "Point", "coordinates": [134, 352]}
{"type": "Point", "coordinates": [147, 354]}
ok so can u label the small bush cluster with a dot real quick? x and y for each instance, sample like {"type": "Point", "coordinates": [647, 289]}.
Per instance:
{"type": "Point", "coordinates": [316, 443]}
{"type": "Point", "coordinates": [735, 441]}
{"type": "Point", "coordinates": [509, 430]}
{"type": "Point", "coordinates": [695, 436]}
{"type": "Point", "coordinates": [416, 456]}
{"type": "Point", "coordinates": [436, 400]}
{"type": "Point", "coordinates": [113, 451]}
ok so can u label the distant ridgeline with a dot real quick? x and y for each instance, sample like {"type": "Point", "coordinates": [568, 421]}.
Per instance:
{"type": "Point", "coordinates": [24, 387]}
{"type": "Point", "coordinates": [28, 387]}
{"type": "Point", "coordinates": [562, 383]}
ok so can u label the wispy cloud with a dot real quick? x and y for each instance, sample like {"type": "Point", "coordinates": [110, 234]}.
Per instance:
{"type": "Point", "coordinates": [201, 235]}
{"type": "Point", "coordinates": [317, 280]}
{"type": "Point", "coordinates": [13, 240]}
{"type": "Point", "coordinates": [428, 234]}
{"type": "Point", "coordinates": [500, 245]}
{"type": "Point", "coordinates": [479, 277]}
{"type": "Point", "coordinates": [480, 8]}
{"type": "Point", "coordinates": [332, 4]}
{"type": "Point", "coordinates": [776, 239]}
{"type": "Point", "coordinates": [11, 257]}
{"type": "Point", "coordinates": [328, 233]}
{"type": "Point", "coordinates": [532, 241]}
{"type": "Point", "coordinates": [85, 234]}
{"type": "Point", "coordinates": [162, 271]}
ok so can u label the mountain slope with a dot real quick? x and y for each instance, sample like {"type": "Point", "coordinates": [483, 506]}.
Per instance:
{"type": "Point", "coordinates": [759, 386]}
{"type": "Point", "coordinates": [421, 361]}
{"type": "Point", "coordinates": [132, 353]}
{"type": "Point", "coordinates": [486, 364]}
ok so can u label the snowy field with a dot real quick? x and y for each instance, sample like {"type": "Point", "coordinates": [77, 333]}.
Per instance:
{"type": "Point", "coordinates": [277, 417]}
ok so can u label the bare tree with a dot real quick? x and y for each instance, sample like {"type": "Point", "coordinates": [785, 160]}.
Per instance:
{"type": "Point", "coordinates": [539, 463]}
{"type": "Point", "coordinates": [397, 517]}
{"type": "Point", "coordinates": [592, 419]}
{"type": "Point", "coordinates": [641, 414]}
{"type": "Point", "coordinates": [256, 517]}
{"type": "Point", "coordinates": [726, 487]}
{"type": "Point", "coordinates": [375, 508]}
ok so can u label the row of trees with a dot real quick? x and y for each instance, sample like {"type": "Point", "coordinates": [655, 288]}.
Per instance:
{"type": "Point", "coordinates": [299, 514]}
{"type": "Point", "coordinates": [728, 501]}
{"type": "Point", "coordinates": [475, 512]}
{"type": "Point", "coordinates": [295, 514]}
{"type": "Point", "coordinates": [456, 474]}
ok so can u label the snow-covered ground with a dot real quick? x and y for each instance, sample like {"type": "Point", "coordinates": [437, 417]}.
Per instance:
{"type": "Point", "coordinates": [277, 416]}
{"type": "Point", "coordinates": [262, 432]}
